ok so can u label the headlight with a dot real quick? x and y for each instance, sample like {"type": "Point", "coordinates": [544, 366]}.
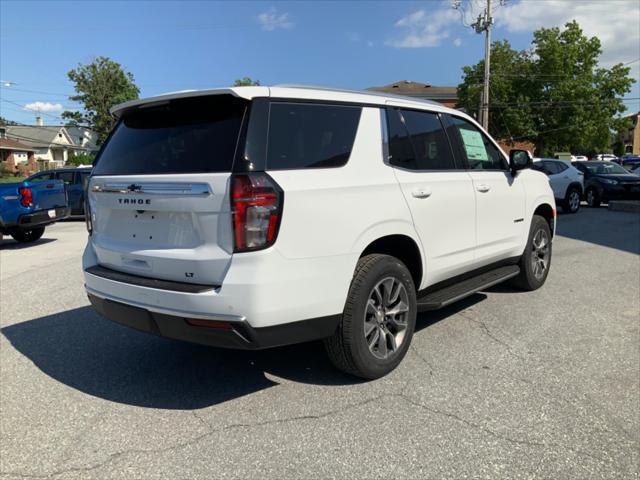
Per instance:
{"type": "Point", "coordinates": [609, 181]}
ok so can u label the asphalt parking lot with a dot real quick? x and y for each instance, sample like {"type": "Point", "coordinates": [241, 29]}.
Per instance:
{"type": "Point", "coordinates": [502, 385]}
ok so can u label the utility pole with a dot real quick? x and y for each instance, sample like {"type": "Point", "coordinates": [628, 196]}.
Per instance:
{"type": "Point", "coordinates": [483, 24]}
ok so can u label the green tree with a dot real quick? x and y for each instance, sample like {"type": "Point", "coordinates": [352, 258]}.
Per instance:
{"type": "Point", "coordinates": [509, 86]}
{"type": "Point", "coordinates": [79, 158]}
{"type": "Point", "coordinates": [99, 86]}
{"type": "Point", "coordinates": [554, 94]}
{"type": "Point", "coordinates": [245, 82]}
{"type": "Point", "coordinates": [4, 121]}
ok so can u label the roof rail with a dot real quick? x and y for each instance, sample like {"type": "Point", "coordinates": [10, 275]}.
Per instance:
{"type": "Point", "coordinates": [361, 92]}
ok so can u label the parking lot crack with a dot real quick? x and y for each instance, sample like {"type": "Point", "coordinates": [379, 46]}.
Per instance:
{"type": "Point", "coordinates": [492, 336]}
{"type": "Point", "coordinates": [422, 359]}
{"type": "Point", "coordinates": [500, 436]}
{"type": "Point", "coordinates": [114, 456]}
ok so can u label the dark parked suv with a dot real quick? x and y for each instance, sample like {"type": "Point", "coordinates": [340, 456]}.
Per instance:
{"type": "Point", "coordinates": [604, 181]}
{"type": "Point", "coordinates": [74, 179]}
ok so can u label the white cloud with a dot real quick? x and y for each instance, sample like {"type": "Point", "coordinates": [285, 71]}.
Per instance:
{"type": "Point", "coordinates": [425, 29]}
{"type": "Point", "coordinates": [614, 22]}
{"type": "Point", "coordinates": [271, 20]}
{"type": "Point", "coordinates": [43, 107]}
{"type": "Point", "coordinates": [369, 43]}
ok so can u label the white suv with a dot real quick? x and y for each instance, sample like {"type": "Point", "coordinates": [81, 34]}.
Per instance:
{"type": "Point", "coordinates": [253, 217]}
{"type": "Point", "coordinates": [567, 182]}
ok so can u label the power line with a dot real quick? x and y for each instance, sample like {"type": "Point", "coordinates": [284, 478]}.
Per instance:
{"type": "Point", "coordinates": [36, 91]}
{"type": "Point", "coordinates": [34, 111]}
{"type": "Point", "coordinates": [506, 125]}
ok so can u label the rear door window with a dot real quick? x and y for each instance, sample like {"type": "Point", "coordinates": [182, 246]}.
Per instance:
{"type": "Point", "coordinates": [552, 167]}
{"type": "Point", "coordinates": [66, 177]}
{"type": "Point", "coordinates": [417, 141]}
{"type": "Point", "coordinates": [310, 135]}
{"type": "Point", "coordinates": [192, 135]}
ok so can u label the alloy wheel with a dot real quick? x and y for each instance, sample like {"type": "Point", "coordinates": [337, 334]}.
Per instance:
{"type": "Point", "coordinates": [540, 254]}
{"type": "Point", "coordinates": [574, 201]}
{"type": "Point", "coordinates": [386, 317]}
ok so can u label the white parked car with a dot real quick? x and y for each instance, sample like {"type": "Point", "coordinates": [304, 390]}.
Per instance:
{"type": "Point", "coordinates": [579, 158]}
{"type": "Point", "coordinates": [608, 157]}
{"type": "Point", "coordinates": [252, 217]}
{"type": "Point", "coordinates": [567, 182]}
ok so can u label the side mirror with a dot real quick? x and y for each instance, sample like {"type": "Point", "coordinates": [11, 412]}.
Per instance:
{"type": "Point", "coordinates": [519, 160]}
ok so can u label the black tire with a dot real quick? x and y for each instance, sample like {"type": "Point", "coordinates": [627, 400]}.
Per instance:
{"type": "Point", "coordinates": [593, 198]}
{"type": "Point", "coordinates": [571, 203]}
{"type": "Point", "coordinates": [349, 348]}
{"type": "Point", "coordinates": [28, 236]}
{"type": "Point", "coordinates": [530, 278]}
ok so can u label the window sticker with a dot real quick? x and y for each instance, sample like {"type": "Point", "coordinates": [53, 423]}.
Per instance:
{"type": "Point", "coordinates": [474, 145]}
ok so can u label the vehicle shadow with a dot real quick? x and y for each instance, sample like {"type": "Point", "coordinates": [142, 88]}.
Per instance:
{"type": "Point", "coordinates": [11, 244]}
{"type": "Point", "coordinates": [89, 353]}
{"type": "Point", "coordinates": [426, 319]}
{"type": "Point", "coordinates": [619, 230]}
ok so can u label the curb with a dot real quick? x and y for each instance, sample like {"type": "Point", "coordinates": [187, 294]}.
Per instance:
{"type": "Point", "coordinates": [631, 206]}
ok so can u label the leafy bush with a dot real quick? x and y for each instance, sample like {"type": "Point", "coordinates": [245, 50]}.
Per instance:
{"type": "Point", "coordinates": [74, 159]}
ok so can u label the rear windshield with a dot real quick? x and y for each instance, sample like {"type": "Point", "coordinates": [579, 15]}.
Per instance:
{"type": "Point", "coordinates": [193, 135]}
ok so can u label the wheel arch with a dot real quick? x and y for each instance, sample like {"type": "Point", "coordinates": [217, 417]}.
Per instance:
{"type": "Point", "coordinates": [402, 247]}
{"type": "Point", "coordinates": [547, 212]}
{"type": "Point", "coordinates": [577, 185]}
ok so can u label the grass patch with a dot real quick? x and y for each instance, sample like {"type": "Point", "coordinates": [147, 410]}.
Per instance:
{"type": "Point", "coordinates": [11, 179]}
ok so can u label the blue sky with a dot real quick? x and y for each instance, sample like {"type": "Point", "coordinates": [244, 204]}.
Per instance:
{"type": "Point", "coordinates": [180, 45]}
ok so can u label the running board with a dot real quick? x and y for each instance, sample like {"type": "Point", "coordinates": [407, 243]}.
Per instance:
{"type": "Point", "coordinates": [453, 293]}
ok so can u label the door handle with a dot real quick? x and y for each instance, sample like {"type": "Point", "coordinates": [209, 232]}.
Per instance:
{"type": "Point", "coordinates": [483, 188]}
{"type": "Point", "coordinates": [424, 192]}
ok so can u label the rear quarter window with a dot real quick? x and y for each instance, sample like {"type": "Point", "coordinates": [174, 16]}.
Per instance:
{"type": "Point", "coordinates": [192, 135]}
{"type": "Point", "coordinates": [310, 135]}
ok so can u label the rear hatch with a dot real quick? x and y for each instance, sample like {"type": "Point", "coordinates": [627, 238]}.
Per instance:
{"type": "Point", "coordinates": [48, 194]}
{"type": "Point", "coordinates": [159, 193]}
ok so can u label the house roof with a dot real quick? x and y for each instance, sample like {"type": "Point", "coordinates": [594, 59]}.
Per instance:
{"type": "Point", "coordinates": [8, 144]}
{"type": "Point", "coordinates": [37, 137]}
{"type": "Point", "coordinates": [88, 134]}
{"type": "Point", "coordinates": [416, 89]}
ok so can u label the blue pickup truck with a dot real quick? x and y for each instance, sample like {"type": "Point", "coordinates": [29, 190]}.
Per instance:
{"type": "Point", "coordinates": [27, 207]}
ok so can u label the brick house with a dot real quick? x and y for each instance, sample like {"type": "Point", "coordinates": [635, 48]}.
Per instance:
{"type": "Point", "coordinates": [15, 154]}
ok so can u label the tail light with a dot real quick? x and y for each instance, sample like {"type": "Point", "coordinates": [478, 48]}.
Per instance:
{"type": "Point", "coordinates": [88, 220]}
{"type": "Point", "coordinates": [26, 196]}
{"type": "Point", "coordinates": [87, 215]}
{"type": "Point", "coordinates": [256, 206]}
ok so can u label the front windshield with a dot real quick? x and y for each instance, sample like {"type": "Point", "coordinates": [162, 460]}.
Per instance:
{"type": "Point", "coordinates": [605, 168]}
